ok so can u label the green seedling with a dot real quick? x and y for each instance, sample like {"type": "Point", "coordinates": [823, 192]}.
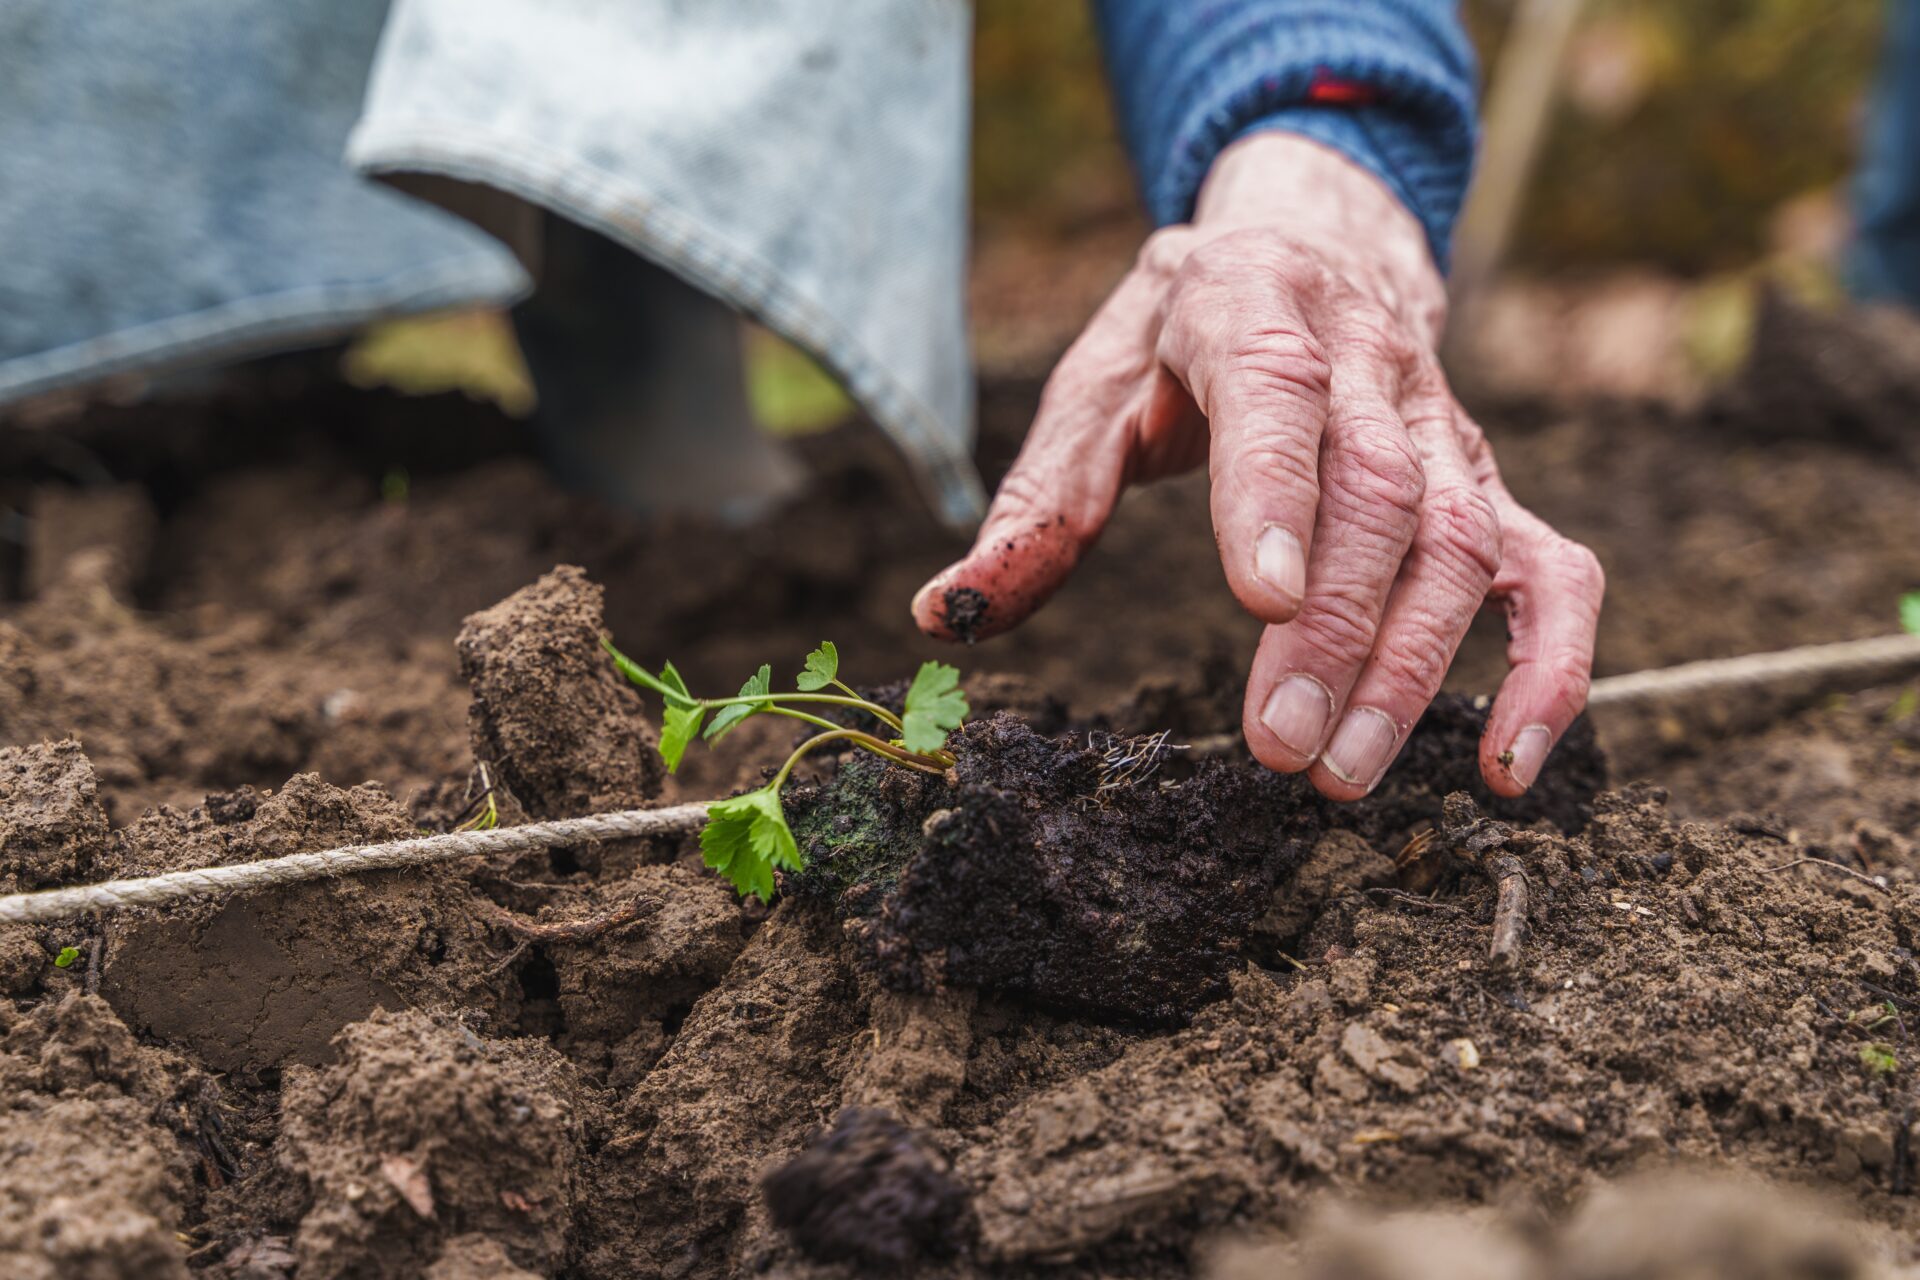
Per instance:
{"type": "Point", "coordinates": [747, 837]}
{"type": "Point", "coordinates": [1878, 1057]}
{"type": "Point", "coordinates": [66, 957]}
{"type": "Point", "coordinates": [483, 811]}
{"type": "Point", "coordinates": [1910, 613]}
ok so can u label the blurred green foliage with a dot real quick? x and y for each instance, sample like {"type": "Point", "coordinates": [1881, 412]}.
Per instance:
{"type": "Point", "coordinates": [1686, 124]}
{"type": "Point", "coordinates": [1046, 155]}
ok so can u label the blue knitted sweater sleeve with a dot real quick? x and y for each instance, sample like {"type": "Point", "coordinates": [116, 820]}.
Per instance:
{"type": "Point", "coordinates": [1191, 76]}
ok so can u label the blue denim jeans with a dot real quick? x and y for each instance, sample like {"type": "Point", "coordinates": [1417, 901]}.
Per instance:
{"type": "Point", "coordinates": [1885, 259]}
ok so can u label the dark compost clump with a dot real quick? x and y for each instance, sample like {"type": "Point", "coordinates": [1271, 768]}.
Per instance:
{"type": "Point", "coordinates": [871, 1191]}
{"type": "Point", "coordinates": [1036, 871]}
{"type": "Point", "coordinates": [1442, 756]}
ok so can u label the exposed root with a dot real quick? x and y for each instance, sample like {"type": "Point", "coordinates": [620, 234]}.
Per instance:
{"type": "Point", "coordinates": [1878, 882]}
{"type": "Point", "coordinates": [1128, 762]}
{"type": "Point", "coordinates": [1411, 899]}
{"type": "Point", "coordinates": [571, 930]}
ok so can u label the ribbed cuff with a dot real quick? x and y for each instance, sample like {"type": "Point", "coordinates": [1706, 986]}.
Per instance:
{"type": "Point", "coordinates": [1212, 76]}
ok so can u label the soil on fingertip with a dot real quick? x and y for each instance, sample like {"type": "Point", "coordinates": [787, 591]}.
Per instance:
{"type": "Point", "coordinates": [1042, 1013]}
{"type": "Point", "coordinates": [965, 610]}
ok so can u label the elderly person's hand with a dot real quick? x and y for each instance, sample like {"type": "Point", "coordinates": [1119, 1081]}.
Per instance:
{"type": "Point", "coordinates": [1286, 338]}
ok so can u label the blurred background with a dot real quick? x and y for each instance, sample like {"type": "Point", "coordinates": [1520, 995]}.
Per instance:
{"type": "Point", "coordinates": [1695, 151]}
{"type": "Point", "coordinates": [1662, 353]}
{"type": "Point", "coordinates": [1693, 154]}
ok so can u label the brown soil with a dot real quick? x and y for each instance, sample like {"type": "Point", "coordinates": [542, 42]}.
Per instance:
{"type": "Point", "coordinates": [1012, 1021]}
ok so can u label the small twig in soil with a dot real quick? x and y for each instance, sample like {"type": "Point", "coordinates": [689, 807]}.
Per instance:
{"type": "Point", "coordinates": [1510, 910]}
{"type": "Point", "coordinates": [1412, 899]}
{"type": "Point", "coordinates": [1894, 996]}
{"type": "Point", "coordinates": [216, 1157]}
{"type": "Point", "coordinates": [574, 930]}
{"type": "Point", "coordinates": [1861, 876]}
{"type": "Point", "coordinates": [93, 960]}
{"type": "Point", "coordinates": [507, 961]}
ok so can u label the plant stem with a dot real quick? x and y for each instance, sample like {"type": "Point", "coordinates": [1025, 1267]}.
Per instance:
{"type": "Point", "coordinates": [873, 709]}
{"type": "Point", "coordinates": [859, 739]}
{"type": "Point", "coordinates": [879, 711]}
{"type": "Point", "coordinates": [801, 715]}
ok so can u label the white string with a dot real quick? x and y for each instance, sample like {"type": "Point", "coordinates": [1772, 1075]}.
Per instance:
{"type": "Point", "coordinates": [207, 882]}
{"type": "Point", "coordinates": [1881, 656]}
{"type": "Point", "coordinates": [1854, 659]}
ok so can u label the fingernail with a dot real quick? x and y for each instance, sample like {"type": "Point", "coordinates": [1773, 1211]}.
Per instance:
{"type": "Point", "coordinates": [1528, 753]}
{"type": "Point", "coordinates": [1297, 712]}
{"type": "Point", "coordinates": [1362, 747]}
{"type": "Point", "coordinates": [920, 599]}
{"type": "Point", "coordinates": [1280, 562]}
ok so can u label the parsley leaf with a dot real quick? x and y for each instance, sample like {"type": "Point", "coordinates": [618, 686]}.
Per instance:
{"type": "Point", "coordinates": [1910, 613]}
{"type": "Point", "coordinates": [761, 682]}
{"type": "Point", "coordinates": [66, 957]}
{"type": "Point", "coordinates": [678, 728]}
{"type": "Point", "coordinates": [746, 838]}
{"type": "Point", "coordinates": [667, 684]}
{"type": "Point", "coordinates": [680, 723]}
{"type": "Point", "coordinates": [823, 665]}
{"type": "Point", "coordinates": [935, 707]}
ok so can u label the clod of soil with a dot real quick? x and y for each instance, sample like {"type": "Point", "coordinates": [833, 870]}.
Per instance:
{"type": "Point", "coordinates": [753, 1070]}
{"type": "Point", "coordinates": [52, 830]}
{"type": "Point", "coordinates": [51, 824]}
{"type": "Point", "coordinates": [869, 1191]}
{"type": "Point", "coordinates": [116, 521]}
{"type": "Point", "coordinates": [1655, 1012]}
{"type": "Point", "coordinates": [965, 611]}
{"type": "Point", "coordinates": [424, 1132]}
{"type": "Point", "coordinates": [619, 993]}
{"type": "Point", "coordinates": [1043, 872]}
{"type": "Point", "coordinates": [92, 1181]}
{"type": "Point", "coordinates": [549, 714]}
{"type": "Point", "coordinates": [1442, 757]}
{"type": "Point", "coordinates": [265, 980]}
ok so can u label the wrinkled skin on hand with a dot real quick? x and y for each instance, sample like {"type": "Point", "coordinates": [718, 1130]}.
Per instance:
{"type": "Point", "coordinates": [1286, 338]}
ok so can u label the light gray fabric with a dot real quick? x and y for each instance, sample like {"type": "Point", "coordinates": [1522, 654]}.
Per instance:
{"type": "Point", "coordinates": [804, 160]}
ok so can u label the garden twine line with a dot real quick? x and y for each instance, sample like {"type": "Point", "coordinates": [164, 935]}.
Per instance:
{"type": "Point", "coordinates": [1851, 659]}
{"type": "Point", "coordinates": [208, 882]}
